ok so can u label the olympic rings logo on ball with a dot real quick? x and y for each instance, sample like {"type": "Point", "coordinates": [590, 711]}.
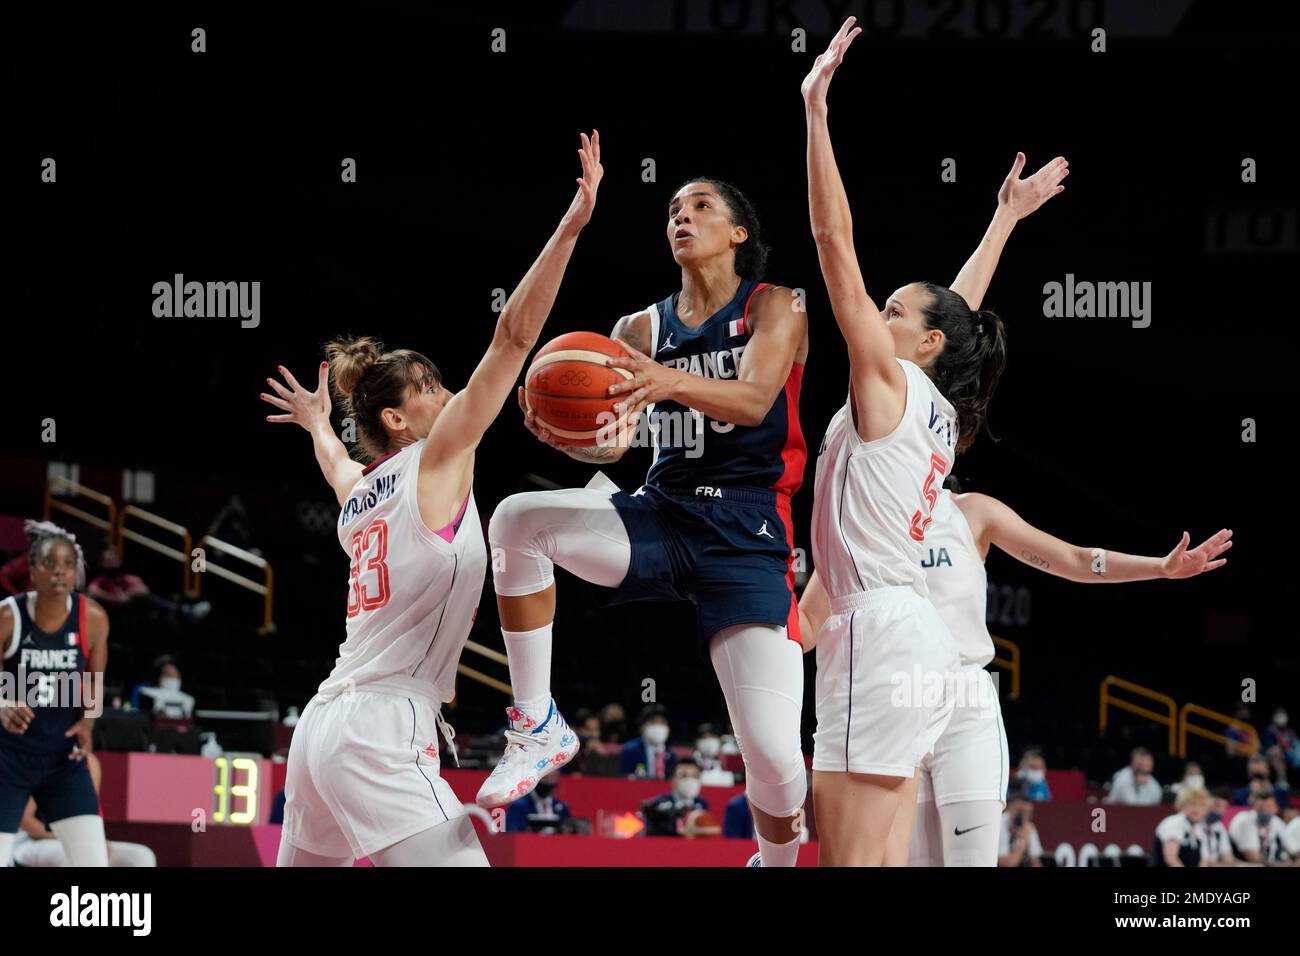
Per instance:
{"type": "Point", "coordinates": [575, 377]}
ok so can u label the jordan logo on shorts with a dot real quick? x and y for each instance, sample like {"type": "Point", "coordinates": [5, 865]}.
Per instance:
{"type": "Point", "coordinates": [763, 531]}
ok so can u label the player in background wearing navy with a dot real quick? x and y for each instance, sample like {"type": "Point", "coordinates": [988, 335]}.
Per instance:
{"type": "Point", "coordinates": [54, 644]}
{"type": "Point", "coordinates": [363, 776]}
{"type": "Point", "coordinates": [723, 358]}
{"type": "Point", "coordinates": [922, 373]}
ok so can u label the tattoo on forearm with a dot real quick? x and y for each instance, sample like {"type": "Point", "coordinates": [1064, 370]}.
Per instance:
{"type": "Point", "coordinates": [1098, 562]}
{"type": "Point", "coordinates": [1036, 560]}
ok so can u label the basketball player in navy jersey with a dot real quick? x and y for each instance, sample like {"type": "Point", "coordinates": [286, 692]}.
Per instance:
{"type": "Point", "coordinates": [717, 366]}
{"type": "Point", "coordinates": [52, 640]}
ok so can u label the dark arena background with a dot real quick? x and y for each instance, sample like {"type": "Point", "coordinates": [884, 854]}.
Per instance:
{"type": "Point", "coordinates": [147, 433]}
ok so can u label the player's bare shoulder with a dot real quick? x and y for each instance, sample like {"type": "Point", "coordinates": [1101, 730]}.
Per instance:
{"type": "Point", "coordinates": [96, 621]}
{"type": "Point", "coordinates": [7, 624]}
{"type": "Point", "coordinates": [635, 330]}
{"type": "Point", "coordinates": [778, 305]}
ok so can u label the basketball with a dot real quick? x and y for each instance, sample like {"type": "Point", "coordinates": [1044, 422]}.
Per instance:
{"type": "Point", "coordinates": [566, 387]}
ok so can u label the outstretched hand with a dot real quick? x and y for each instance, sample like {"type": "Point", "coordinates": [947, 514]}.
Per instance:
{"type": "Point", "coordinates": [1023, 196]}
{"type": "Point", "coordinates": [584, 201]}
{"type": "Point", "coordinates": [303, 407]}
{"type": "Point", "coordinates": [818, 80]}
{"type": "Point", "coordinates": [1182, 563]}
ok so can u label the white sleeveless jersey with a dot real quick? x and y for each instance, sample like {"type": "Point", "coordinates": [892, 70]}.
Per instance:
{"type": "Point", "coordinates": [958, 584]}
{"type": "Point", "coordinates": [873, 499]}
{"type": "Point", "coordinates": [412, 596]}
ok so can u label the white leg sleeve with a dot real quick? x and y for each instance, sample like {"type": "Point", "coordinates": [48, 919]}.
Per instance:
{"type": "Point", "coordinates": [970, 832]}
{"type": "Point", "coordinates": [448, 844]}
{"type": "Point", "coordinates": [291, 855]}
{"type": "Point", "coordinates": [6, 848]}
{"type": "Point", "coordinates": [577, 528]}
{"type": "Point", "coordinates": [761, 673]}
{"type": "Point", "coordinates": [130, 854]}
{"type": "Point", "coordinates": [926, 848]}
{"type": "Point", "coordinates": [83, 839]}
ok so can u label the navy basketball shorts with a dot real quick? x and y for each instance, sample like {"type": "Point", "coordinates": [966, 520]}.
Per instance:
{"type": "Point", "coordinates": [62, 787]}
{"type": "Point", "coordinates": [727, 550]}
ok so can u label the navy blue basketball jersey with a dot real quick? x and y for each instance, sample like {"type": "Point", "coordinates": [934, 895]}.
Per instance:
{"type": "Point", "coordinates": [693, 450]}
{"type": "Point", "coordinates": [43, 667]}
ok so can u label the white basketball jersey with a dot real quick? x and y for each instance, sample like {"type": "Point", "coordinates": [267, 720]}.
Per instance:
{"type": "Point", "coordinates": [873, 499]}
{"type": "Point", "coordinates": [412, 595]}
{"type": "Point", "coordinates": [958, 584]}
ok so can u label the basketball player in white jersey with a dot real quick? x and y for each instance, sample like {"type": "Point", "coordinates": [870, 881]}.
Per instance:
{"type": "Point", "coordinates": [963, 781]}
{"type": "Point", "coordinates": [363, 776]}
{"type": "Point", "coordinates": [921, 376]}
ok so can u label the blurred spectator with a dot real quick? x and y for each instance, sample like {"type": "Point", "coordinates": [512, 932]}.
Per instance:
{"type": "Point", "coordinates": [613, 724]}
{"type": "Point", "coordinates": [164, 696]}
{"type": "Point", "coordinates": [665, 815]}
{"type": "Point", "coordinates": [1258, 775]}
{"type": "Point", "coordinates": [588, 741]}
{"type": "Point", "coordinates": [1192, 777]}
{"type": "Point", "coordinates": [738, 820]}
{"type": "Point", "coordinates": [1281, 745]}
{"type": "Point", "coordinates": [116, 588]}
{"type": "Point", "coordinates": [15, 576]}
{"type": "Point", "coordinates": [1257, 833]}
{"type": "Point", "coordinates": [648, 755]}
{"type": "Point", "coordinates": [1188, 838]}
{"type": "Point", "coordinates": [708, 754]}
{"type": "Point", "coordinates": [36, 845]}
{"type": "Point", "coordinates": [1032, 775]}
{"type": "Point", "coordinates": [1291, 840]}
{"type": "Point", "coordinates": [1239, 744]}
{"type": "Point", "coordinates": [539, 812]}
{"type": "Point", "coordinates": [1134, 785]}
{"type": "Point", "coordinates": [1019, 844]}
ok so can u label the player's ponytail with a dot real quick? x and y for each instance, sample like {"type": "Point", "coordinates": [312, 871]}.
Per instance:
{"type": "Point", "coordinates": [367, 380]}
{"type": "Point", "coordinates": [973, 357]}
{"type": "Point", "coordinates": [43, 535]}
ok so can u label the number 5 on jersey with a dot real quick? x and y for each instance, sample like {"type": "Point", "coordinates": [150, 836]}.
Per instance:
{"type": "Point", "coordinates": [920, 523]}
{"type": "Point", "coordinates": [371, 545]}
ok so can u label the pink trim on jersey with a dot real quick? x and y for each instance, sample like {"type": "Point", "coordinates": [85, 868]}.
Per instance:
{"type": "Point", "coordinates": [448, 533]}
{"type": "Point", "coordinates": [378, 461]}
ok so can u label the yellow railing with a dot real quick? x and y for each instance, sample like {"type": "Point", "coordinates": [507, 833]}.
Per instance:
{"type": "Point", "coordinates": [182, 555]}
{"type": "Point", "coordinates": [1011, 663]}
{"type": "Point", "coordinates": [265, 587]}
{"type": "Point", "coordinates": [52, 503]}
{"type": "Point", "coordinates": [475, 648]}
{"type": "Point", "coordinates": [1186, 728]}
{"type": "Point", "coordinates": [1169, 719]}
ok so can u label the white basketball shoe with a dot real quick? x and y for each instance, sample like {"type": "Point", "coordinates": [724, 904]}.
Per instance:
{"type": "Point", "coordinates": [533, 749]}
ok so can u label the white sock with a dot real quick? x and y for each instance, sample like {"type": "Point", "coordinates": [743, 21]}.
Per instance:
{"type": "Point", "coordinates": [530, 669]}
{"type": "Point", "coordinates": [778, 854]}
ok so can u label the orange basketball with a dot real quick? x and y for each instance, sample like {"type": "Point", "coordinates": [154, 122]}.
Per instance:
{"type": "Point", "coordinates": [566, 386]}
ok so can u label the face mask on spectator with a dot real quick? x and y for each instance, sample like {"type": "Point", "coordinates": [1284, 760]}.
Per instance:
{"type": "Point", "coordinates": [169, 683]}
{"type": "Point", "coordinates": [688, 788]}
{"type": "Point", "coordinates": [1195, 781]}
{"type": "Point", "coordinates": [1263, 816]}
{"type": "Point", "coordinates": [708, 746]}
{"type": "Point", "coordinates": [1280, 718]}
{"type": "Point", "coordinates": [1033, 776]}
{"type": "Point", "coordinates": [657, 734]}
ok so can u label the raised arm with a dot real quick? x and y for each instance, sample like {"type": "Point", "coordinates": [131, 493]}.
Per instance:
{"type": "Point", "coordinates": [311, 410]}
{"type": "Point", "coordinates": [461, 424]}
{"type": "Point", "coordinates": [993, 522]}
{"type": "Point", "coordinates": [1016, 199]}
{"type": "Point", "coordinates": [870, 346]}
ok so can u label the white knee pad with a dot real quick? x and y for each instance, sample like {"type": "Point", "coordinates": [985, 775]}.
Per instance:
{"type": "Point", "coordinates": [83, 840]}
{"type": "Point", "coordinates": [521, 559]}
{"type": "Point", "coordinates": [776, 780]}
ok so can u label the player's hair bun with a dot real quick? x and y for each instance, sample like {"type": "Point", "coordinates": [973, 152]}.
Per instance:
{"type": "Point", "coordinates": [350, 359]}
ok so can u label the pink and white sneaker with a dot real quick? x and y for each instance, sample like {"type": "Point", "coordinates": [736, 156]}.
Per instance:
{"type": "Point", "coordinates": [533, 749]}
